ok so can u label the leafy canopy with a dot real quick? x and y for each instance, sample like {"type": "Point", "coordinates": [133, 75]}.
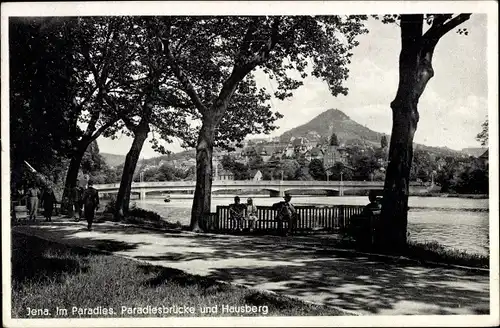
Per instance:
{"type": "Point", "coordinates": [213, 58]}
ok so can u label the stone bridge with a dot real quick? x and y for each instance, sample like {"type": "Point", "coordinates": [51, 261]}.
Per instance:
{"type": "Point", "coordinates": [275, 187]}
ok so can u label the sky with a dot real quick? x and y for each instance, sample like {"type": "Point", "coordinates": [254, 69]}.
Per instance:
{"type": "Point", "coordinates": [452, 107]}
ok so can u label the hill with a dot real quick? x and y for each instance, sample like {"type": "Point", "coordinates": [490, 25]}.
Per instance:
{"type": "Point", "coordinates": [474, 151]}
{"type": "Point", "coordinates": [334, 120]}
{"type": "Point", "coordinates": [113, 160]}
{"type": "Point", "coordinates": [350, 132]}
{"type": "Point", "coordinates": [347, 130]}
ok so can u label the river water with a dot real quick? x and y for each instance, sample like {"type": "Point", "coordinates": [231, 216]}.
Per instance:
{"type": "Point", "coordinates": [456, 223]}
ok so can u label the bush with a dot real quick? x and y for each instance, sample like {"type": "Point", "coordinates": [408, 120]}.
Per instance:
{"type": "Point", "coordinates": [144, 214]}
{"type": "Point", "coordinates": [110, 206]}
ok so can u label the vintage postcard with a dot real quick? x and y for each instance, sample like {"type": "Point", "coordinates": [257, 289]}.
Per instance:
{"type": "Point", "coordinates": [258, 163]}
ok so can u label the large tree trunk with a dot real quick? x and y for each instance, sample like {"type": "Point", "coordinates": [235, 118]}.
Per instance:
{"type": "Point", "coordinates": [415, 70]}
{"type": "Point", "coordinates": [123, 197]}
{"type": "Point", "coordinates": [203, 189]}
{"type": "Point", "coordinates": [72, 175]}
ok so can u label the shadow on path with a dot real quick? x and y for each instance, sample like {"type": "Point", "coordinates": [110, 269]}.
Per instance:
{"type": "Point", "coordinates": [283, 264]}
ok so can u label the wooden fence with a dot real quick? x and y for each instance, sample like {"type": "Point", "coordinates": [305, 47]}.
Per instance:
{"type": "Point", "coordinates": [310, 218]}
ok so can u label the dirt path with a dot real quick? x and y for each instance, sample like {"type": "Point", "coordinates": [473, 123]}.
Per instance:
{"type": "Point", "coordinates": [353, 282]}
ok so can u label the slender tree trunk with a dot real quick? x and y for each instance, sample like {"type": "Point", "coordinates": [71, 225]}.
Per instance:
{"type": "Point", "coordinates": [72, 175]}
{"type": "Point", "coordinates": [203, 189]}
{"type": "Point", "coordinates": [415, 70]}
{"type": "Point", "coordinates": [123, 197]}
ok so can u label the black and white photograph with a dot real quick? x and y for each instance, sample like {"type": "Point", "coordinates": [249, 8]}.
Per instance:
{"type": "Point", "coordinates": [257, 163]}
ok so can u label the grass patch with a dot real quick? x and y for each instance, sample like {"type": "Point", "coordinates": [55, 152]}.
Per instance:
{"type": "Point", "coordinates": [435, 252]}
{"type": "Point", "coordinates": [152, 219]}
{"type": "Point", "coordinates": [46, 275]}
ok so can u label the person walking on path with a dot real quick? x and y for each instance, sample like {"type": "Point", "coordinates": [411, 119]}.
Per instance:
{"type": "Point", "coordinates": [286, 212]}
{"type": "Point", "coordinates": [48, 201]}
{"type": "Point", "coordinates": [90, 204]}
{"type": "Point", "coordinates": [77, 202]}
{"type": "Point", "coordinates": [33, 195]}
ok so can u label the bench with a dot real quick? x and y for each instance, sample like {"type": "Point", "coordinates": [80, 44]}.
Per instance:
{"type": "Point", "coordinates": [361, 229]}
{"type": "Point", "coordinates": [309, 219]}
{"type": "Point", "coordinates": [19, 210]}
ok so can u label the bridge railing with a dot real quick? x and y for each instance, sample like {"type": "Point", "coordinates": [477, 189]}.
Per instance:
{"type": "Point", "coordinates": [249, 184]}
{"type": "Point", "coordinates": [310, 218]}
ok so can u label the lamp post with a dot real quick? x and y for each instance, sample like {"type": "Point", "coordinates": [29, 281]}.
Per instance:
{"type": "Point", "coordinates": [341, 184]}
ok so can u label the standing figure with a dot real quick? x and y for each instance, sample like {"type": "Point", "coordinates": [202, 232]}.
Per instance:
{"type": "Point", "coordinates": [33, 195]}
{"type": "Point", "coordinates": [90, 203]}
{"type": "Point", "coordinates": [77, 202]}
{"type": "Point", "coordinates": [286, 212]}
{"type": "Point", "coordinates": [48, 201]}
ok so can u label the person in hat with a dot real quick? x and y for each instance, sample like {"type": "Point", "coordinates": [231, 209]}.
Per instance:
{"type": "Point", "coordinates": [374, 207]}
{"type": "Point", "coordinates": [77, 202]}
{"type": "Point", "coordinates": [237, 212]}
{"type": "Point", "coordinates": [48, 202]}
{"type": "Point", "coordinates": [90, 203]}
{"type": "Point", "coordinates": [286, 212]}
{"type": "Point", "coordinates": [33, 194]}
{"type": "Point", "coordinates": [251, 216]}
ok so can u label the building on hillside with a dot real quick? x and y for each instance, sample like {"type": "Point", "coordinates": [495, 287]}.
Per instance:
{"type": "Point", "coordinates": [225, 175]}
{"type": "Point", "coordinates": [334, 154]}
{"type": "Point", "coordinates": [219, 173]}
{"type": "Point", "coordinates": [266, 151]}
{"type": "Point", "coordinates": [316, 153]}
{"type": "Point", "coordinates": [485, 157]}
{"type": "Point", "coordinates": [289, 152]}
{"type": "Point", "coordinates": [246, 153]}
{"type": "Point", "coordinates": [301, 145]}
{"type": "Point", "coordinates": [256, 175]}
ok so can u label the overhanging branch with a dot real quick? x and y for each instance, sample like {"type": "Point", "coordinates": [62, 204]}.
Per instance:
{"type": "Point", "coordinates": [184, 80]}
{"type": "Point", "coordinates": [439, 30]}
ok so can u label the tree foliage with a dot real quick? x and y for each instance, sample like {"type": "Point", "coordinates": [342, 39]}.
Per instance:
{"type": "Point", "coordinates": [41, 67]}
{"type": "Point", "coordinates": [482, 136]}
{"type": "Point", "coordinates": [334, 140]}
{"type": "Point", "coordinates": [317, 170]}
{"type": "Point", "coordinates": [213, 59]}
{"type": "Point", "coordinates": [383, 142]}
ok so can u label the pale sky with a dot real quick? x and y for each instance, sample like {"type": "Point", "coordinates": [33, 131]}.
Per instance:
{"type": "Point", "coordinates": [452, 107]}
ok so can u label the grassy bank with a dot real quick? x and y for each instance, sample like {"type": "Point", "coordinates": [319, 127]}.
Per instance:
{"type": "Point", "coordinates": [47, 275]}
{"type": "Point", "coordinates": [450, 195]}
{"type": "Point", "coordinates": [434, 252]}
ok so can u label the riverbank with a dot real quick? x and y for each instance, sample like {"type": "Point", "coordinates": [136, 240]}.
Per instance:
{"type": "Point", "coordinates": [49, 275]}
{"type": "Point", "coordinates": [319, 193]}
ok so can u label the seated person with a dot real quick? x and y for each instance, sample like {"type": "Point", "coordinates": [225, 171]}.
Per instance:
{"type": "Point", "coordinates": [286, 212]}
{"type": "Point", "coordinates": [374, 207]}
{"type": "Point", "coordinates": [237, 212]}
{"type": "Point", "coordinates": [251, 213]}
